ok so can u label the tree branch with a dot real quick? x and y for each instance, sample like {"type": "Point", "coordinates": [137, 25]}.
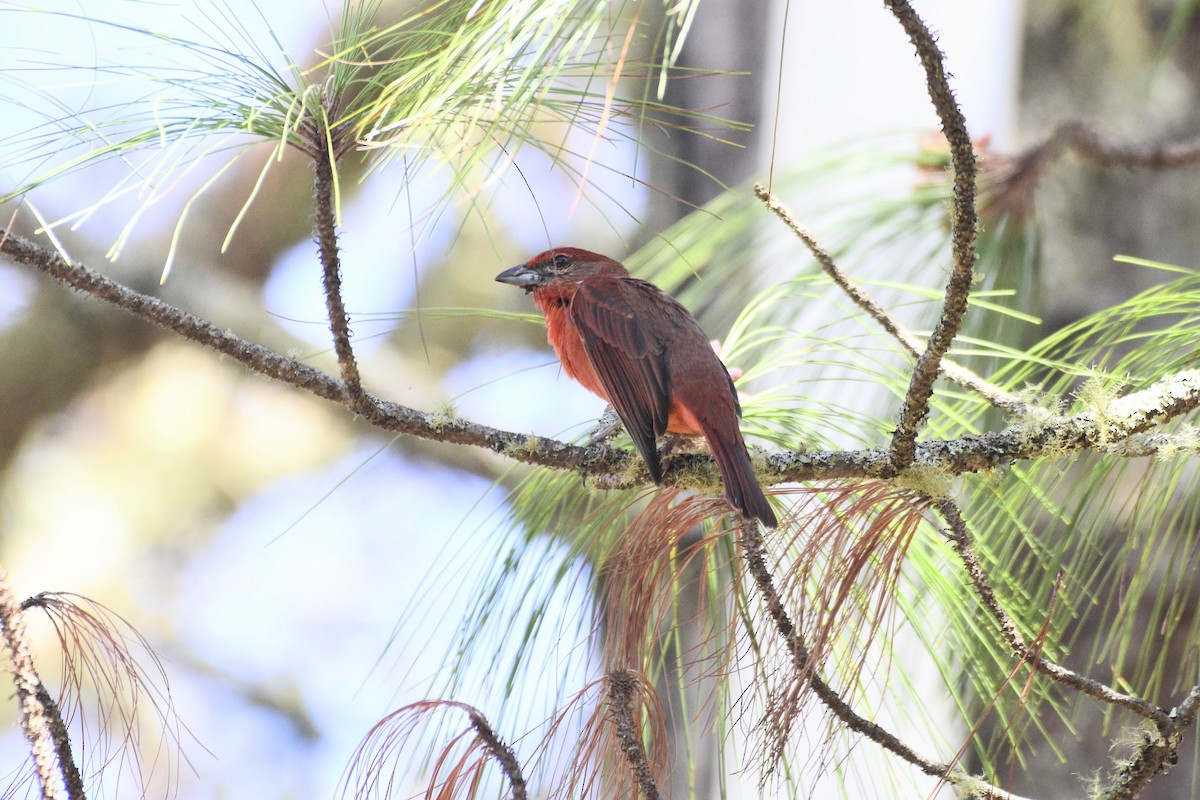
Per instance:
{"type": "Point", "coordinates": [62, 745]}
{"type": "Point", "coordinates": [500, 752]}
{"type": "Point", "coordinates": [962, 236]}
{"type": "Point", "coordinates": [620, 687]}
{"type": "Point", "coordinates": [1134, 414]}
{"type": "Point", "coordinates": [1004, 400]}
{"type": "Point", "coordinates": [331, 275]}
{"type": "Point", "coordinates": [960, 540]}
{"type": "Point", "coordinates": [35, 715]}
{"type": "Point", "coordinates": [1051, 436]}
{"type": "Point", "coordinates": [1090, 145]}
{"type": "Point", "coordinates": [753, 552]}
{"type": "Point", "coordinates": [1156, 752]}
{"type": "Point", "coordinates": [595, 460]}
{"type": "Point", "coordinates": [1011, 179]}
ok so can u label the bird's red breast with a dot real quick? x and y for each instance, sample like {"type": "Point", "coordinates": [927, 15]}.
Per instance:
{"type": "Point", "coordinates": [554, 302]}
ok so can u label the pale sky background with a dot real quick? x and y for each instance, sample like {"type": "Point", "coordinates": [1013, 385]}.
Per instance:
{"type": "Point", "coordinates": [257, 602]}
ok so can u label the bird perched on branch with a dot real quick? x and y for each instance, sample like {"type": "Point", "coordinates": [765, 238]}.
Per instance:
{"type": "Point", "coordinates": [636, 347]}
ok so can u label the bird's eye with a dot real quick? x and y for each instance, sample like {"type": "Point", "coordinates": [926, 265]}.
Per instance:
{"type": "Point", "coordinates": [561, 261]}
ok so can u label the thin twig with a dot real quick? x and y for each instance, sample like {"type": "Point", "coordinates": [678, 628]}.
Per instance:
{"type": "Point", "coordinates": [753, 552]}
{"type": "Point", "coordinates": [960, 539]}
{"type": "Point", "coordinates": [621, 686]}
{"type": "Point", "coordinates": [500, 752]}
{"type": "Point", "coordinates": [961, 375]}
{"type": "Point", "coordinates": [962, 236]}
{"type": "Point", "coordinates": [35, 719]}
{"type": "Point", "coordinates": [331, 275]}
{"type": "Point", "coordinates": [62, 744]}
{"type": "Point", "coordinates": [1133, 414]}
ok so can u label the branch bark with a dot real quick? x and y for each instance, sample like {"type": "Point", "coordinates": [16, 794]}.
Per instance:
{"type": "Point", "coordinates": [331, 276]}
{"type": "Point", "coordinates": [753, 551]}
{"type": "Point", "coordinates": [36, 715]}
{"type": "Point", "coordinates": [960, 540]}
{"type": "Point", "coordinates": [962, 236]}
{"type": "Point", "coordinates": [1048, 436]}
{"type": "Point", "coordinates": [501, 752]}
{"type": "Point", "coordinates": [621, 688]}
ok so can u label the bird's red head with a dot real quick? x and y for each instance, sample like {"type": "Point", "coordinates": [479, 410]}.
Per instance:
{"type": "Point", "coordinates": [560, 267]}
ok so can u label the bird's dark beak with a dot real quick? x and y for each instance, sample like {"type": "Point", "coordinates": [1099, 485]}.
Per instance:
{"type": "Point", "coordinates": [521, 275]}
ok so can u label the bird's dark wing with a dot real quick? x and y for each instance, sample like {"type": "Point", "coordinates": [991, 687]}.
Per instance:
{"type": "Point", "coordinates": [624, 331]}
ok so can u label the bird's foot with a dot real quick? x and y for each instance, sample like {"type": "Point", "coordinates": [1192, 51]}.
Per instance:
{"type": "Point", "coordinates": [678, 442]}
{"type": "Point", "coordinates": [608, 426]}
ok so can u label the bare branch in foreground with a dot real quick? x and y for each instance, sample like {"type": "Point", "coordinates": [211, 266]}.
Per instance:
{"type": "Point", "coordinates": [35, 716]}
{"type": "Point", "coordinates": [962, 235]}
{"type": "Point", "coordinates": [1000, 398]}
{"type": "Point", "coordinates": [100, 658]}
{"type": "Point", "coordinates": [62, 745]}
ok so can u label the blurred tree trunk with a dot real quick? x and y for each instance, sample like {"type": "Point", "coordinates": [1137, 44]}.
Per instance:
{"type": "Point", "coordinates": [726, 37]}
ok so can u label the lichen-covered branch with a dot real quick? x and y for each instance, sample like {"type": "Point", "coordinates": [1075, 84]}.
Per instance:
{"type": "Point", "coordinates": [1156, 752]}
{"type": "Point", "coordinates": [1048, 436]}
{"type": "Point", "coordinates": [962, 236]}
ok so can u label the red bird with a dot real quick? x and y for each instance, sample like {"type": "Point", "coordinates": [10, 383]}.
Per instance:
{"type": "Point", "coordinates": [641, 351]}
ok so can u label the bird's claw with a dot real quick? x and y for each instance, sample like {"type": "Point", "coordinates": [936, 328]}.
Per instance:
{"type": "Point", "coordinates": [608, 426]}
{"type": "Point", "coordinates": [676, 442]}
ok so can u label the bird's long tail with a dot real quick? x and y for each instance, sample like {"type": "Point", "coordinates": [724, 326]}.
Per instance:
{"type": "Point", "coordinates": [741, 485]}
